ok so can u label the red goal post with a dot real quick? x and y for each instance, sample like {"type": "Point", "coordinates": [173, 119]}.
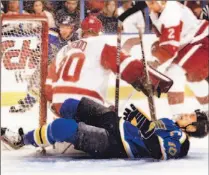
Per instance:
{"type": "Point", "coordinates": [24, 52]}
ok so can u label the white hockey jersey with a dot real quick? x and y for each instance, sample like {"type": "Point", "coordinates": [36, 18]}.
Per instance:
{"type": "Point", "coordinates": [178, 26]}
{"type": "Point", "coordinates": [82, 68]}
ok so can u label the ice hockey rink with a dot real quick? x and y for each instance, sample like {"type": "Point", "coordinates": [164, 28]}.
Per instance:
{"type": "Point", "coordinates": [29, 161]}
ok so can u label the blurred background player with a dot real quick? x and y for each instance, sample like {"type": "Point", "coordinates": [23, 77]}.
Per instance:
{"type": "Point", "coordinates": [68, 30]}
{"type": "Point", "coordinates": [183, 40]}
{"type": "Point", "coordinates": [96, 130]}
{"type": "Point", "coordinates": [91, 57]}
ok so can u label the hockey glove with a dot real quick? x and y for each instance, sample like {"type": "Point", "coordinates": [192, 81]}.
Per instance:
{"type": "Point", "coordinates": [146, 127]}
{"type": "Point", "coordinates": [146, 130]}
{"type": "Point", "coordinates": [129, 114]}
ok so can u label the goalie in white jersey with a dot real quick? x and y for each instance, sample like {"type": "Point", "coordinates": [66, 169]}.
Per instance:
{"type": "Point", "coordinates": [183, 40]}
{"type": "Point", "coordinates": [81, 69]}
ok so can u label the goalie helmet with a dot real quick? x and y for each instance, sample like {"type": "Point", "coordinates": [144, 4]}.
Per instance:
{"type": "Point", "coordinates": [202, 125]}
{"type": "Point", "coordinates": [91, 24]}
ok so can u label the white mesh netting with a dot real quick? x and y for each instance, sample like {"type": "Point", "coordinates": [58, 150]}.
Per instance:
{"type": "Point", "coordinates": [24, 63]}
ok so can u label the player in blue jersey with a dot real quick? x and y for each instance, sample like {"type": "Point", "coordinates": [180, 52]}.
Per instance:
{"type": "Point", "coordinates": [97, 130]}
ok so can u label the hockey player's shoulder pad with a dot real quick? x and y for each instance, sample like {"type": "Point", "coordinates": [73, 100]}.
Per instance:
{"type": "Point", "coordinates": [173, 141]}
{"type": "Point", "coordinates": [164, 127]}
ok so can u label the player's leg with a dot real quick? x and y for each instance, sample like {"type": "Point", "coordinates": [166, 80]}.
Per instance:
{"type": "Point", "coordinates": [84, 137]}
{"type": "Point", "coordinates": [176, 93]}
{"type": "Point", "coordinates": [58, 131]}
{"type": "Point", "coordinates": [96, 141]}
{"type": "Point", "coordinates": [97, 115]}
{"type": "Point", "coordinates": [87, 111]}
{"type": "Point", "coordinates": [200, 89]}
{"type": "Point", "coordinates": [193, 62]}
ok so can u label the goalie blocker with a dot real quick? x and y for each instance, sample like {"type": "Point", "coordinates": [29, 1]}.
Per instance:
{"type": "Point", "coordinates": [160, 82]}
{"type": "Point", "coordinates": [94, 129]}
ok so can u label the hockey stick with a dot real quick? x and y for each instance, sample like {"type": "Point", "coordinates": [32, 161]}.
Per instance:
{"type": "Point", "coordinates": [117, 82]}
{"type": "Point", "coordinates": [148, 84]}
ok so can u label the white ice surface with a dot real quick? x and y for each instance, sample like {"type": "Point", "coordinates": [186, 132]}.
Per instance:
{"type": "Point", "coordinates": [27, 161]}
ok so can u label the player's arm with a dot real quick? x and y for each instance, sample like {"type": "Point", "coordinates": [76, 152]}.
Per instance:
{"type": "Point", "coordinates": [131, 70]}
{"type": "Point", "coordinates": [146, 130]}
{"type": "Point", "coordinates": [169, 39]}
{"type": "Point", "coordinates": [162, 142]}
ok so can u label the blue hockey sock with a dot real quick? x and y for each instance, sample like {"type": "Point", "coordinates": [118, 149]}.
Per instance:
{"type": "Point", "coordinates": [69, 108]}
{"type": "Point", "coordinates": [59, 130]}
{"type": "Point", "coordinates": [64, 130]}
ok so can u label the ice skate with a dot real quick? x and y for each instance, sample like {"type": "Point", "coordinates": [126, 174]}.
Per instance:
{"type": "Point", "coordinates": [12, 139]}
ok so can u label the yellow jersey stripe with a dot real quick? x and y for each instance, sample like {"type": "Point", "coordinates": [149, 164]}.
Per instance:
{"type": "Point", "coordinates": [44, 135]}
{"type": "Point", "coordinates": [37, 136]}
{"type": "Point", "coordinates": [125, 143]}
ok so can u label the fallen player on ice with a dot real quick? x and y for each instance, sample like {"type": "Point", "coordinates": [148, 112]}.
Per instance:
{"type": "Point", "coordinates": [97, 130]}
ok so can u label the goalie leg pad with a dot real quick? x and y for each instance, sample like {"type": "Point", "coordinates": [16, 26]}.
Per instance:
{"type": "Point", "coordinates": [92, 140]}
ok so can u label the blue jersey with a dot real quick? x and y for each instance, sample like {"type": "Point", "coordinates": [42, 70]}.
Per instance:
{"type": "Point", "coordinates": [170, 138]}
{"type": "Point", "coordinates": [56, 42]}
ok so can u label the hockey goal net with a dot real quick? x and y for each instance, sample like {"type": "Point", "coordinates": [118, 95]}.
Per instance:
{"type": "Point", "coordinates": [24, 51]}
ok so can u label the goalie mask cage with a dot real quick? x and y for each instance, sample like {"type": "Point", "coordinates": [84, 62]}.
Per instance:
{"type": "Point", "coordinates": [24, 55]}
